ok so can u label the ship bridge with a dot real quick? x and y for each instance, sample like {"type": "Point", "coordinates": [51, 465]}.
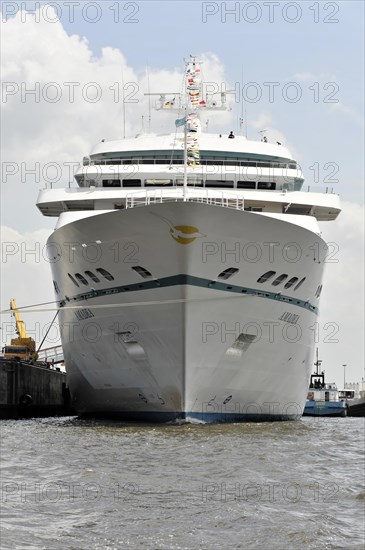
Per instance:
{"type": "Point", "coordinates": [257, 175]}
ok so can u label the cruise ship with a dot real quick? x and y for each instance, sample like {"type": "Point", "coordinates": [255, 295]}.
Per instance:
{"type": "Point", "coordinates": [187, 270]}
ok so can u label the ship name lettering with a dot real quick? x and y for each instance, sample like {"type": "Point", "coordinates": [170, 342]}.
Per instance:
{"type": "Point", "coordinates": [83, 314]}
{"type": "Point", "coordinates": [288, 317]}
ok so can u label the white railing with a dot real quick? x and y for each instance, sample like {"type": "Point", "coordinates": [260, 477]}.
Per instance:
{"type": "Point", "coordinates": [51, 355]}
{"type": "Point", "coordinates": [158, 196]}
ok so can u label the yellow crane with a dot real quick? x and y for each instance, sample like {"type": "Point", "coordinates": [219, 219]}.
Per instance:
{"type": "Point", "coordinates": [22, 347]}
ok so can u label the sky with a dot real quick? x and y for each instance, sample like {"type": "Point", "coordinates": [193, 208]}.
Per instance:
{"type": "Point", "coordinates": [297, 71]}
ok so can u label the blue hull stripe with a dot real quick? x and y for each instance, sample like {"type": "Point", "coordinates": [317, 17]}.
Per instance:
{"type": "Point", "coordinates": [177, 280]}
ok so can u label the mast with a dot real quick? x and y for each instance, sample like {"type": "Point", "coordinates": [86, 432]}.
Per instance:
{"type": "Point", "coordinates": [192, 126]}
{"type": "Point", "coordinates": [318, 362]}
{"type": "Point", "coordinates": [123, 106]}
{"type": "Point", "coordinates": [185, 154]}
{"type": "Point", "coordinates": [190, 102]}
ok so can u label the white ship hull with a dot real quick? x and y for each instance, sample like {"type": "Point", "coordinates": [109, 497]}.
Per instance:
{"type": "Point", "coordinates": [184, 343]}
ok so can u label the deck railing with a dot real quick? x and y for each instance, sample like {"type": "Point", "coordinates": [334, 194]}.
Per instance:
{"type": "Point", "coordinates": [53, 354]}
{"type": "Point", "coordinates": [157, 196]}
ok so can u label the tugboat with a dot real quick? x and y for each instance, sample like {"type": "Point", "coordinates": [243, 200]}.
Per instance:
{"type": "Point", "coordinates": [356, 405]}
{"type": "Point", "coordinates": [323, 398]}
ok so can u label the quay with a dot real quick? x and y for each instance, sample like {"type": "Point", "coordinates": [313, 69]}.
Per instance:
{"type": "Point", "coordinates": [32, 390]}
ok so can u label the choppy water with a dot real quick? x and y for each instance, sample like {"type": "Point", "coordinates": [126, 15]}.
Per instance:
{"type": "Point", "coordinates": [73, 484]}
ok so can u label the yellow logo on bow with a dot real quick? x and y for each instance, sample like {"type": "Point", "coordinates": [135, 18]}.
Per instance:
{"type": "Point", "coordinates": [182, 234]}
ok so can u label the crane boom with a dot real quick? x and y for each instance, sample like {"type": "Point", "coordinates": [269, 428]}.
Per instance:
{"type": "Point", "coordinates": [22, 347]}
{"type": "Point", "coordinates": [20, 326]}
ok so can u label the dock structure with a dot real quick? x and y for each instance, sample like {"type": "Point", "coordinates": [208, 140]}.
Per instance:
{"type": "Point", "coordinates": [32, 390]}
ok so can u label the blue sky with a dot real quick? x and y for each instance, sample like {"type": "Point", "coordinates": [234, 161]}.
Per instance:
{"type": "Point", "coordinates": [321, 53]}
{"type": "Point", "coordinates": [329, 51]}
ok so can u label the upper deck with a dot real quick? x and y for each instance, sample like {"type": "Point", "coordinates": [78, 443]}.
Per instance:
{"type": "Point", "coordinates": [261, 176]}
{"type": "Point", "coordinates": [155, 145]}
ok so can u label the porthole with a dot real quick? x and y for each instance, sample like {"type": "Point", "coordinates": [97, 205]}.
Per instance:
{"type": "Point", "coordinates": [279, 279]}
{"type": "Point", "coordinates": [300, 283]}
{"type": "Point", "coordinates": [73, 280]}
{"type": "Point", "coordinates": [92, 276]}
{"type": "Point", "coordinates": [318, 291]}
{"type": "Point", "coordinates": [142, 272]}
{"type": "Point", "coordinates": [105, 273]}
{"type": "Point", "coordinates": [227, 273]}
{"type": "Point", "coordinates": [291, 282]}
{"type": "Point", "coordinates": [81, 279]}
{"type": "Point", "coordinates": [266, 276]}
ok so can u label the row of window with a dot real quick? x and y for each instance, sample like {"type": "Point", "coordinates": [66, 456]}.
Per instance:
{"type": "Point", "coordinates": [268, 185]}
{"type": "Point", "coordinates": [213, 161]}
{"type": "Point", "coordinates": [78, 278]}
{"type": "Point", "coordinates": [224, 275]}
{"type": "Point", "coordinates": [280, 279]}
{"type": "Point", "coordinates": [227, 273]}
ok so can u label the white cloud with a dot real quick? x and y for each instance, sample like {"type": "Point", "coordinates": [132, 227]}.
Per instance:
{"type": "Point", "coordinates": [26, 276]}
{"type": "Point", "coordinates": [61, 66]}
{"type": "Point", "coordinates": [38, 130]}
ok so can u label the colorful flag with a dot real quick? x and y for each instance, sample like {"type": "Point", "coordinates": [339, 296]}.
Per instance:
{"type": "Point", "coordinates": [180, 121]}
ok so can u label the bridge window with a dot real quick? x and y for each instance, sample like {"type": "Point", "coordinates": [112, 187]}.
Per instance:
{"type": "Point", "coordinates": [191, 181]}
{"type": "Point", "coordinates": [269, 185]}
{"type": "Point", "coordinates": [111, 183]}
{"type": "Point", "coordinates": [219, 183]}
{"type": "Point", "coordinates": [279, 279]}
{"type": "Point", "coordinates": [105, 274]}
{"type": "Point", "coordinates": [158, 183]}
{"type": "Point", "coordinates": [266, 276]}
{"type": "Point", "coordinates": [131, 183]}
{"type": "Point", "coordinates": [246, 185]}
